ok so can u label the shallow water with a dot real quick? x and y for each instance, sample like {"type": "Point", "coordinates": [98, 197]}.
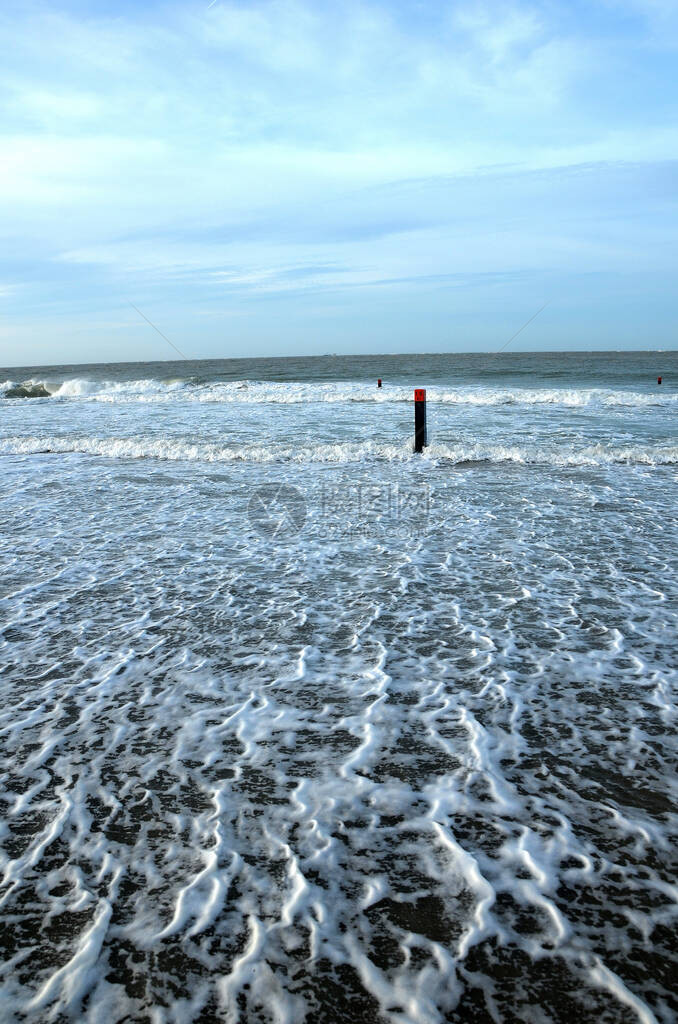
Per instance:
{"type": "Point", "coordinates": [296, 725]}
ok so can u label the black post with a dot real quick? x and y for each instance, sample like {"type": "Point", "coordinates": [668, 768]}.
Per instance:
{"type": "Point", "coordinates": [419, 419]}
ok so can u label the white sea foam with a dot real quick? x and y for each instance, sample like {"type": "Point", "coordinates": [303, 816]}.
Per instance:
{"type": "Point", "coordinates": [249, 392]}
{"type": "Point", "coordinates": [408, 757]}
{"type": "Point", "coordinates": [341, 452]}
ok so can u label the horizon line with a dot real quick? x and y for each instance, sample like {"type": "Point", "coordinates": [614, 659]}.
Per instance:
{"type": "Point", "coordinates": [342, 355]}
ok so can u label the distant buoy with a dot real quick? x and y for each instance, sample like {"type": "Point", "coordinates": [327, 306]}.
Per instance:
{"type": "Point", "coordinates": [659, 380]}
{"type": "Point", "coordinates": [379, 382]}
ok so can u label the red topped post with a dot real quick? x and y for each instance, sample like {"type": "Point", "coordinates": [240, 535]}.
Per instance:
{"type": "Point", "coordinates": [420, 441]}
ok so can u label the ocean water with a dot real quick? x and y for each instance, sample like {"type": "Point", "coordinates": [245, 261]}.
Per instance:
{"type": "Point", "coordinates": [296, 725]}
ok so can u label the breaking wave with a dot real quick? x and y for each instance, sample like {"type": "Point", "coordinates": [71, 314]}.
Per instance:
{"type": "Point", "coordinates": [175, 450]}
{"type": "Point", "coordinates": [295, 392]}
{"type": "Point", "coordinates": [28, 389]}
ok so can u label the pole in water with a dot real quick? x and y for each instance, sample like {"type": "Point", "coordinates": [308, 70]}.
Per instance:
{"type": "Point", "coordinates": [659, 380]}
{"type": "Point", "coordinates": [379, 382]}
{"type": "Point", "coordinates": [420, 441]}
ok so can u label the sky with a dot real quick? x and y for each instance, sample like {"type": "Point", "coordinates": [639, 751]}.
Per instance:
{"type": "Point", "coordinates": [288, 177]}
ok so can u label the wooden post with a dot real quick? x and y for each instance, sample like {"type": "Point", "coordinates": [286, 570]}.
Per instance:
{"type": "Point", "coordinates": [420, 441]}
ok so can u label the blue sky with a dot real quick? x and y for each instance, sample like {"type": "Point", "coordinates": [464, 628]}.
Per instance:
{"type": "Point", "coordinates": [293, 177]}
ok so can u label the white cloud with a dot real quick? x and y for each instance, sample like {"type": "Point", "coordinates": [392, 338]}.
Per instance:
{"type": "Point", "coordinates": [658, 18]}
{"type": "Point", "coordinates": [232, 147]}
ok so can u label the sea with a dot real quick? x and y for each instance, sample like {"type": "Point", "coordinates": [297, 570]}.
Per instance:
{"type": "Point", "coordinates": [299, 725]}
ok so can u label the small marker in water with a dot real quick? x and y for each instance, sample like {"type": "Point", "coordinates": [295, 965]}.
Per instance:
{"type": "Point", "coordinates": [420, 441]}
{"type": "Point", "coordinates": [659, 380]}
{"type": "Point", "coordinates": [379, 382]}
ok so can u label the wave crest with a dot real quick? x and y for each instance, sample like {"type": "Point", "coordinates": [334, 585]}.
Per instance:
{"type": "Point", "coordinates": [298, 392]}
{"type": "Point", "coordinates": [344, 452]}
{"type": "Point", "coordinates": [27, 389]}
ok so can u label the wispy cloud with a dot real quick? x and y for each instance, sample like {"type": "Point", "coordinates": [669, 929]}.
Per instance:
{"type": "Point", "coordinates": [224, 152]}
